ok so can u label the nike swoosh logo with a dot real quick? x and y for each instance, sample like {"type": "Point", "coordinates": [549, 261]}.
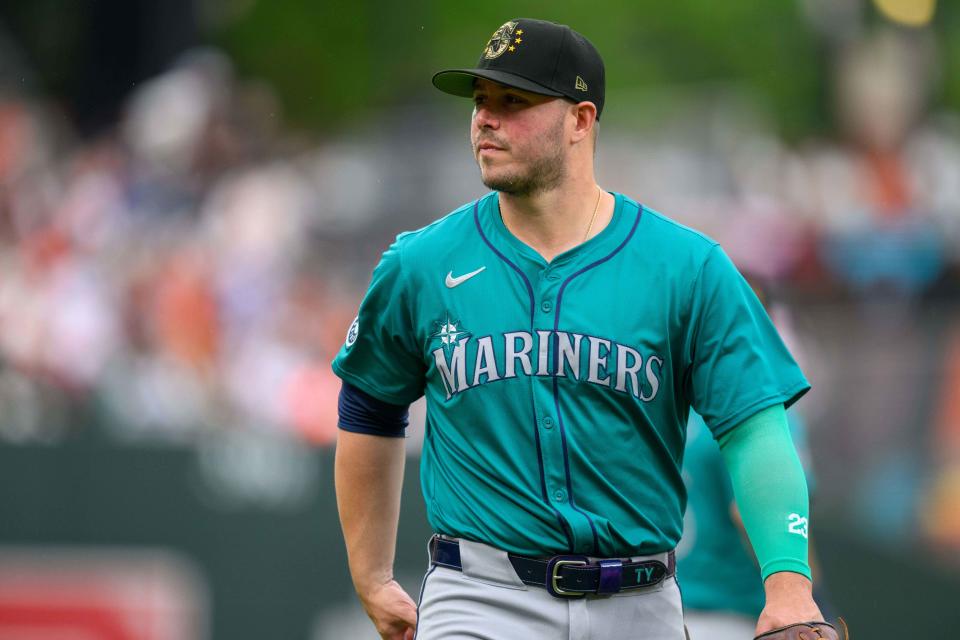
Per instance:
{"type": "Point", "coordinates": [452, 282]}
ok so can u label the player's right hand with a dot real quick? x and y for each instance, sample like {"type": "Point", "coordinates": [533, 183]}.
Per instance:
{"type": "Point", "coordinates": [393, 612]}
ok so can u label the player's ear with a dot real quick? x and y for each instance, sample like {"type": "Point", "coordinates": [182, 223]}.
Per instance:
{"type": "Point", "coordinates": [584, 116]}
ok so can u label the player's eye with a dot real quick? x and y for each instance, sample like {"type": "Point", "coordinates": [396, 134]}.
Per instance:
{"type": "Point", "coordinates": [478, 99]}
{"type": "Point", "coordinates": [514, 99]}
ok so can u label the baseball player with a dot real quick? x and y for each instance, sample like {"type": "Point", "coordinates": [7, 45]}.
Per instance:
{"type": "Point", "coordinates": [722, 591]}
{"type": "Point", "coordinates": [560, 333]}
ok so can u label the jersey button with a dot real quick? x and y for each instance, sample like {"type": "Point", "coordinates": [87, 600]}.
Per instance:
{"type": "Point", "coordinates": [553, 276]}
{"type": "Point", "coordinates": [548, 423]}
{"type": "Point", "coordinates": [546, 306]}
{"type": "Point", "coordinates": [559, 495]}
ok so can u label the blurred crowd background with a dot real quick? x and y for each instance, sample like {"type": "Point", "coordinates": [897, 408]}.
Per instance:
{"type": "Point", "coordinates": [193, 195]}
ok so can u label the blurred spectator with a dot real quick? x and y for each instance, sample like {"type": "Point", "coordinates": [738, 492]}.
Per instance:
{"type": "Point", "coordinates": [941, 508]}
{"type": "Point", "coordinates": [887, 235]}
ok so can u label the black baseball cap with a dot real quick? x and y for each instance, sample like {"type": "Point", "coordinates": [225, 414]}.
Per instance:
{"type": "Point", "coordinates": [537, 56]}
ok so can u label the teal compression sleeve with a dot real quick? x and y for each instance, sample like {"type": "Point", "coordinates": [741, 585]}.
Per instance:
{"type": "Point", "coordinates": [771, 490]}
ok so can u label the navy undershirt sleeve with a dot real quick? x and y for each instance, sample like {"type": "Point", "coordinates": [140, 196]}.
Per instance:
{"type": "Point", "coordinates": [362, 413]}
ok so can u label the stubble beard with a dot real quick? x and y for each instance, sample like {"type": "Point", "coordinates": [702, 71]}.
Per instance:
{"type": "Point", "coordinates": [541, 175]}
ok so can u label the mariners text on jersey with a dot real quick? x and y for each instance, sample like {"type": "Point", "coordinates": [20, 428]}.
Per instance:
{"type": "Point", "coordinates": [464, 362]}
{"type": "Point", "coordinates": [557, 392]}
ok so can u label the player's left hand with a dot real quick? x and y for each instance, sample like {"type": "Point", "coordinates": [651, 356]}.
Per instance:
{"type": "Point", "coordinates": [789, 600]}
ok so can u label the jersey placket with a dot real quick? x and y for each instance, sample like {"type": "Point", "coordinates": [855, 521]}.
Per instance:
{"type": "Point", "coordinates": [552, 281]}
{"type": "Point", "coordinates": [548, 407]}
{"type": "Point", "coordinates": [545, 282]}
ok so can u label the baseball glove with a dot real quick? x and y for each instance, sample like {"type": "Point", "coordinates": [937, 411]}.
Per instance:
{"type": "Point", "coordinates": [807, 631]}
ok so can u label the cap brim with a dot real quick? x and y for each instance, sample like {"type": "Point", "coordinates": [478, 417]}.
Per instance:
{"type": "Point", "coordinates": [459, 82]}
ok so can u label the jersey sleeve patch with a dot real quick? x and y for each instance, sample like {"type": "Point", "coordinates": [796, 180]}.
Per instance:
{"type": "Point", "coordinates": [380, 353]}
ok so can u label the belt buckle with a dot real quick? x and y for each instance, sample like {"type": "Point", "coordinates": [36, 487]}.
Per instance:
{"type": "Point", "coordinates": [553, 575]}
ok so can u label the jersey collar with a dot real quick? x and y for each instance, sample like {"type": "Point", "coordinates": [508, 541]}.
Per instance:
{"type": "Point", "coordinates": [605, 241]}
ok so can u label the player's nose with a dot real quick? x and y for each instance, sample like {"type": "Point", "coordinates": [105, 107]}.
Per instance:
{"type": "Point", "coordinates": [485, 118]}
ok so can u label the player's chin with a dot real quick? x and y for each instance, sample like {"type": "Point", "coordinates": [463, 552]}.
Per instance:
{"type": "Point", "coordinates": [507, 186]}
{"type": "Point", "coordinates": [497, 169]}
{"type": "Point", "coordinates": [489, 174]}
{"type": "Point", "coordinates": [496, 180]}
{"type": "Point", "coordinates": [490, 162]}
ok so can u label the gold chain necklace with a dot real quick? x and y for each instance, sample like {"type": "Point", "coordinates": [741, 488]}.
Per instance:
{"type": "Point", "coordinates": [596, 207]}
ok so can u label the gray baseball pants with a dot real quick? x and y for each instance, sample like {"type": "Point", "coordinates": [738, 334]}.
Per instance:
{"type": "Point", "coordinates": [719, 625]}
{"type": "Point", "coordinates": [487, 601]}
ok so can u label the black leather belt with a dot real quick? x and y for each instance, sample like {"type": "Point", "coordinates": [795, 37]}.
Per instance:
{"type": "Point", "coordinates": [569, 576]}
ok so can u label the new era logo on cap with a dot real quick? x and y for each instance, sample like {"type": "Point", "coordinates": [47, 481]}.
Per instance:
{"type": "Point", "coordinates": [537, 56]}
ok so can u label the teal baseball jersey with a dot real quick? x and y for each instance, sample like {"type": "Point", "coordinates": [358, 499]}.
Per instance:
{"type": "Point", "coordinates": [558, 393]}
{"type": "Point", "coordinates": [715, 565]}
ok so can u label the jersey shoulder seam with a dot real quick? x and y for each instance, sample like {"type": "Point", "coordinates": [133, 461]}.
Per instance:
{"type": "Point", "coordinates": [677, 225]}
{"type": "Point", "coordinates": [407, 301]}
{"type": "Point", "coordinates": [406, 236]}
{"type": "Point", "coordinates": [689, 306]}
